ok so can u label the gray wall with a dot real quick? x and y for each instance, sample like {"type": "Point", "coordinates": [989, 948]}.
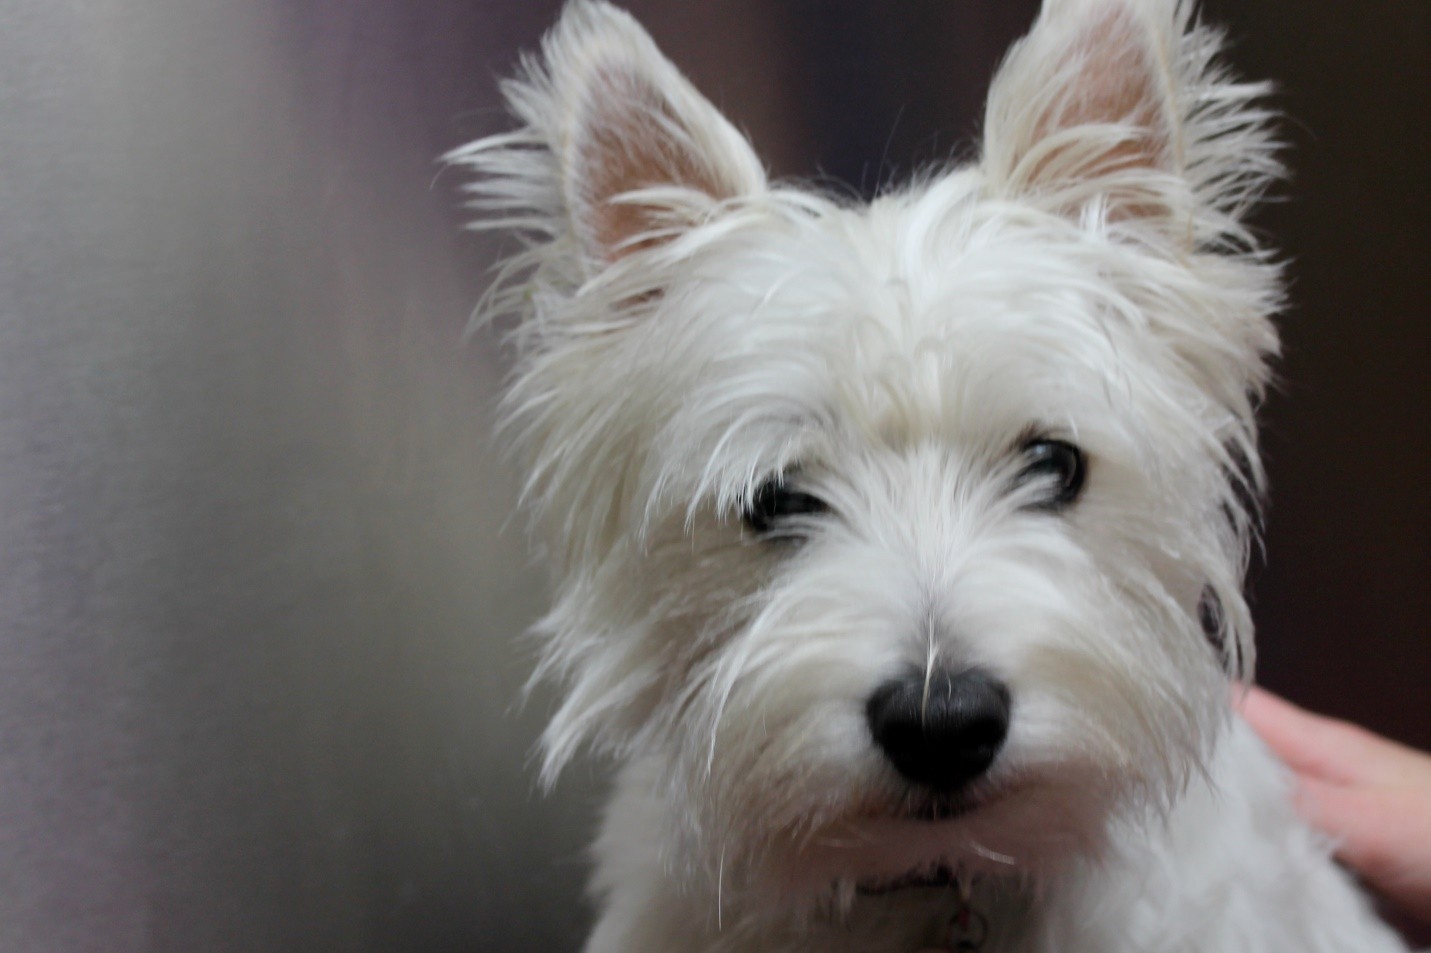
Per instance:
{"type": "Point", "coordinates": [260, 584]}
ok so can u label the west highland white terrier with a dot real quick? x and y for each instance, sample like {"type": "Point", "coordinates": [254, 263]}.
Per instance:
{"type": "Point", "coordinates": [898, 548]}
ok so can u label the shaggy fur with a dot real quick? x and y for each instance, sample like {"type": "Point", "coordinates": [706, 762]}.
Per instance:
{"type": "Point", "coordinates": [690, 332]}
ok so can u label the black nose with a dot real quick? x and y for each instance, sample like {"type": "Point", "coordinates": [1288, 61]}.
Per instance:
{"type": "Point", "coordinates": [943, 732]}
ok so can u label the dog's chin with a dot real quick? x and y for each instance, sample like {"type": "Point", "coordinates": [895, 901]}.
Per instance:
{"type": "Point", "coordinates": [897, 842]}
{"type": "Point", "coordinates": [928, 820]}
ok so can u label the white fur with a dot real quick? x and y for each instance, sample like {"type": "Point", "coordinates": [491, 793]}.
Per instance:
{"type": "Point", "coordinates": [687, 330]}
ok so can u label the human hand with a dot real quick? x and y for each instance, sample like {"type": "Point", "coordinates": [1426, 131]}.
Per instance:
{"type": "Point", "coordinates": [1373, 796]}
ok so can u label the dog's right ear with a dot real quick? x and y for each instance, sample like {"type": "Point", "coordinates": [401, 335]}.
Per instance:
{"type": "Point", "coordinates": [617, 151]}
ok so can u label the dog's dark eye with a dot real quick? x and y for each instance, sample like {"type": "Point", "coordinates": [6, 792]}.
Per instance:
{"type": "Point", "coordinates": [1059, 469]}
{"type": "Point", "coordinates": [776, 508]}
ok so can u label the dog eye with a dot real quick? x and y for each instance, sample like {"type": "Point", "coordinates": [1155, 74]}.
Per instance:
{"type": "Point", "coordinates": [776, 508]}
{"type": "Point", "coordinates": [1058, 467]}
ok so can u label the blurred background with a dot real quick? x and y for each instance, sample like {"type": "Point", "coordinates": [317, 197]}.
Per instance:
{"type": "Point", "coordinates": [261, 588]}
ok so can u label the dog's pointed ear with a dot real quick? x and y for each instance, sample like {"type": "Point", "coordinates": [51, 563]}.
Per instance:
{"type": "Point", "coordinates": [618, 152]}
{"type": "Point", "coordinates": [644, 150]}
{"type": "Point", "coordinates": [1119, 107]}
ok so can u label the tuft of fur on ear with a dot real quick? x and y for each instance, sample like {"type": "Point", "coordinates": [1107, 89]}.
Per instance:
{"type": "Point", "coordinates": [1120, 110]}
{"type": "Point", "coordinates": [617, 152]}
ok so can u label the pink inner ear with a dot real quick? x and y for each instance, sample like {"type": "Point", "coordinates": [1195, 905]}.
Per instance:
{"type": "Point", "coordinates": [1107, 111]}
{"type": "Point", "coordinates": [1125, 83]}
{"type": "Point", "coordinates": [1116, 79]}
{"type": "Point", "coordinates": [631, 140]}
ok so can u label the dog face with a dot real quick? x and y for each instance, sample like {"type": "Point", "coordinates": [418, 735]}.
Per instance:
{"type": "Point", "coordinates": [903, 539]}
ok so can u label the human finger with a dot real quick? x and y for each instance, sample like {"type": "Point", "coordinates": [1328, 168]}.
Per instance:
{"type": "Point", "coordinates": [1383, 833]}
{"type": "Point", "coordinates": [1318, 747]}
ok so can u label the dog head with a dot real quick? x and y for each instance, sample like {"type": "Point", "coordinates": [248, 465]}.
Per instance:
{"type": "Point", "coordinates": [901, 538]}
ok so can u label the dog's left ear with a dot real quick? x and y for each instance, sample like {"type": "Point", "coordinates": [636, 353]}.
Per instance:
{"type": "Point", "coordinates": [1116, 111]}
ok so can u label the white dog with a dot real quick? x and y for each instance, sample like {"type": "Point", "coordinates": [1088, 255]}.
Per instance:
{"type": "Point", "coordinates": [899, 548]}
